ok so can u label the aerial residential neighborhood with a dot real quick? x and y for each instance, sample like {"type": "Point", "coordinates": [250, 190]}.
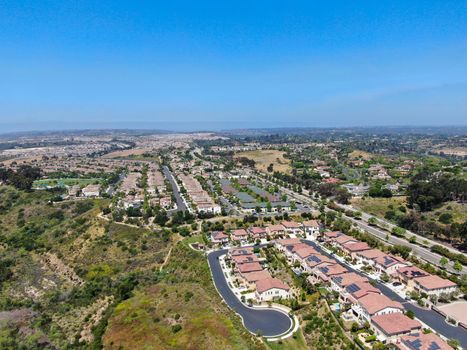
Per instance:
{"type": "Point", "coordinates": [233, 175]}
{"type": "Point", "coordinates": [271, 241]}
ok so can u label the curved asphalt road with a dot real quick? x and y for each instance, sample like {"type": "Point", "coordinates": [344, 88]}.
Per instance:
{"type": "Point", "coordinates": [269, 322]}
{"type": "Point", "coordinates": [429, 317]}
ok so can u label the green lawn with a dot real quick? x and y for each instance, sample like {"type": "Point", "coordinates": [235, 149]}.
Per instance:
{"type": "Point", "coordinates": [378, 206]}
{"type": "Point", "coordinates": [457, 210]}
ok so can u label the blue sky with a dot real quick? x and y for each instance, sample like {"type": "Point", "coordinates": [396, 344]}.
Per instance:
{"type": "Point", "coordinates": [228, 64]}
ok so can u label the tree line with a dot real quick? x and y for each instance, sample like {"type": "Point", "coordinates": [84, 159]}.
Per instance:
{"type": "Point", "coordinates": [22, 178]}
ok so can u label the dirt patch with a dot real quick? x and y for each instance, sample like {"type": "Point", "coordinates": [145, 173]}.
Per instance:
{"type": "Point", "coordinates": [56, 265]}
{"type": "Point", "coordinates": [263, 159]}
{"type": "Point", "coordinates": [360, 155]}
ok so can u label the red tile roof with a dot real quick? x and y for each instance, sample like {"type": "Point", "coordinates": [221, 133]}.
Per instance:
{"type": "Point", "coordinates": [239, 233]}
{"type": "Point", "coordinates": [411, 272]}
{"type": "Point", "coordinates": [305, 252]}
{"type": "Point", "coordinates": [373, 303]}
{"type": "Point", "coordinates": [371, 253]}
{"type": "Point", "coordinates": [256, 276]}
{"type": "Point", "coordinates": [241, 251]}
{"type": "Point", "coordinates": [395, 323]}
{"type": "Point", "coordinates": [310, 223]}
{"type": "Point", "coordinates": [219, 235]}
{"type": "Point", "coordinates": [249, 267]}
{"type": "Point", "coordinates": [244, 259]}
{"type": "Point", "coordinates": [332, 270]}
{"type": "Point", "coordinates": [344, 239]}
{"type": "Point", "coordinates": [317, 259]}
{"type": "Point", "coordinates": [347, 278]}
{"type": "Point", "coordinates": [269, 283]}
{"type": "Point", "coordinates": [275, 228]}
{"type": "Point", "coordinates": [432, 282]}
{"type": "Point", "coordinates": [288, 241]}
{"type": "Point", "coordinates": [361, 288]}
{"type": "Point", "coordinates": [421, 341]}
{"type": "Point", "coordinates": [388, 260]}
{"type": "Point", "coordinates": [356, 247]}
{"type": "Point", "coordinates": [257, 230]}
{"type": "Point", "coordinates": [332, 234]}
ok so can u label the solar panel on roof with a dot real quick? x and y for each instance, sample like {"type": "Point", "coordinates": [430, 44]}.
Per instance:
{"type": "Point", "coordinates": [434, 346]}
{"type": "Point", "coordinates": [353, 288]}
{"type": "Point", "coordinates": [415, 344]}
{"type": "Point", "coordinates": [314, 258]}
{"type": "Point", "coordinates": [324, 269]}
{"type": "Point", "coordinates": [338, 279]}
{"type": "Point", "coordinates": [388, 260]}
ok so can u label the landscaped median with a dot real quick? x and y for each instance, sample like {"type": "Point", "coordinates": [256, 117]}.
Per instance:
{"type": "Point", "coordinates": [273, 322]}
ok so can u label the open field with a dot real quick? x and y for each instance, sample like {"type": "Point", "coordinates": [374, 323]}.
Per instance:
{"type": "Point", "coordinates": [378, 206]}
{"type": "Point", "coordinates": [360, 154]}
{"type": "Point", "coordinates": [126, 153]}
{"type": "Point", "coordinates": [454, 151]}
{"type": "Point", "coordinates": [457, 210]}
{"type": "Point", "coordinates": [263, 158]}
{"type": "Point", "coordinates": [181, 310]}
{"type": "Point", "coordinates": [88, 262]}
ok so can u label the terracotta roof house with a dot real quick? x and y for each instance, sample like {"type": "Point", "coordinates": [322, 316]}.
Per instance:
{"type": "Point", "coordinates": [368, 256]}
{"type": "Point", "coordinates": [239, 235]}
{"type": "Point", "coordinates": [292, 227]}
{"type": "Point", "coordinates": [342, 239]}
{"type": "Point", "coordinates": [249, 267]}
{"type": "Point", "coordinates": [275, 230]}
{"type": "Point", "coordinates": [219, 237]}
{"type": "Point", "coordinates": [324, 273]}
{"type": "Point", "coordinates": [339, 282]}
{"type": "Point", "coordinates": [434, 285]}
{"type": "Point", "coordinates": [411, 272]}
{"type": "Point", "coordinates": [389, 264]}
{"type": "Point", "coordinates": [357, 290]}
{"type": "Point", "coordinates": [270, 289]}
{"type": "Point", "coordinates": [304, 252]}
{"type": "Point", "coordinates": [250, 278]}
{"type": "Point", "coordinates": [331, 235]}
{"type": "Point", "coordinates": [243, 259]}
{"type": "Point", "coordinates": [408, 274]}
{"type": "Point", "coordinates": [389, 327]}
{"type": "Point", "coordinates": [375, 304]}
{"type": "Point", "coordinates": [310, 223]}
{"type": "Point", "coordinates": [315, 260]}
{"type": "Point", "coordinates": [282, 244]}
{"type": "Point", "coordinates": [352, 248]}
{"type": "Point", "coordinates": [257, 232]}
{"type": "Point", "coordinates": [240, 251]}
{"type": "Point", "coordinates": [421, 341]}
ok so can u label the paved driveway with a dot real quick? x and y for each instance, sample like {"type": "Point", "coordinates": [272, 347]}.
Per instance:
{"type": "Point", "coordinates": [269, 322]}
{"type": "Point", "coordinates": [429, 317]}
